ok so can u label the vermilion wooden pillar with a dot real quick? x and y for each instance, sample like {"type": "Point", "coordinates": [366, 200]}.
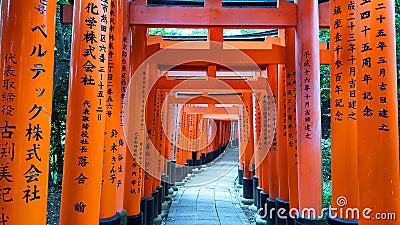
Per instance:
{"type": "Point", "coordinates": [134, 131]}
{"type": "Point", "coordinates": [242, 140]}
{"type": "Point", "coordinates": [281, 132]}
{"type": "Point", "coordinates": [83, 157]}
{"type": "Point", "coordinates": [191, 132]}
{"type": "Point", "coordinates": [291, 105]}
{"type": "Point", "coordinates": [282, 202]}
{"type": "Point", "coordinates": [179, 139]}
{"type": "Point", "coordinates": [249, 150]}
{"type": "Point", "coordinates": [377, 116]}
{"type": "Point", "coordinates": [265, 146]}
{"type": "Point", "coordinates": [258, 156]}
{"type": "Point", "coordinates": [235, 131]}
{"type": "Point", "coordinates": [171, 126]}
{"type": "Point", "coordinates": [159, 141]}
{"type": "Point", "coordinates": [158, 151]}
{"type": "Point", "coordinates": [27, 64]}
{"type": "Point", "coordinates": [150, 164]}
{"type": "Point", "coordinates": [164, 123]}
{"type": "Point", "coordinates": [214, 139]}
{"type": "Point", "coordinates": [198, 138]}
{"type": "Point", "coordinates": [220, 136]}
{"type": "Point", "coordinates": [272, 71]}
{"type": "Point", "coordinates": [112, 118]}
{"type": "Point", "coordinates": [211, 132]}
{"type": "Point", "coordinates": [309, 110]}
{"type": "Point", "coordinates": [185, 137]}
{"type": "Point", "coordinates": [125, 73]}
{"type": "Point", "coordinates": [170, 122]}
{"type": "Point", "coordinates": [344, 113]}
{"type": "Point", "coordinates": [203, 138]}
{"type": "Point", "coordinates": [180, 145]}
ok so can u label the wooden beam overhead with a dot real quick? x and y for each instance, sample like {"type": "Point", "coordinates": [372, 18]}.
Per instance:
{"type": "Point", "coordinates": [213, 16]}
{"type": "Point", "coordinates": [261, 57]}
{"type": "Point", "coordinates": [213, 85]}
{"type": "Point", "coordinates": [231, 57]}
{"type": "Point", "coordinates": [213, 110]}
{"type": "Point", "coordinates": [213, 99]}
{"type": "Point", "coordinates": [209, 16]}
{"type": "Point", "coordinates": [222, 117]}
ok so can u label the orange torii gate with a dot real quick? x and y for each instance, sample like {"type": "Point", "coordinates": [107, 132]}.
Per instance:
{"type": "Point", "coordinates": [116, 161]}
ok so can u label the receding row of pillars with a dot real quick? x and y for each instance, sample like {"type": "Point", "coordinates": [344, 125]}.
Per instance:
{"type": "Point", "coordinates": [364, 118]}
{"type": "Point", "coordinates": [116, 161]}
{"type": "Point", "coordinates": [97, 154]}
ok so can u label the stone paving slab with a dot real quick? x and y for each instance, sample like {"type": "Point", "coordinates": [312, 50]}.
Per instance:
{"type": "Point", "coordinates": [209, 198]}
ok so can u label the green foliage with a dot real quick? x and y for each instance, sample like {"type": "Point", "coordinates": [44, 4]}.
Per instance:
{"type": "Point", "coordinates": [325, 101]}
{"type": "Point", "coordinates": [251, 31]}
{"type": "Point", "coordinates": [178, 32]}
{"type": "Point", "coordinates": [326, 194]}
{"type": "Point", "coordinates": [326, 172]}
{"type": "Point", "coordinates": [397, 10]}
{"type": "Point", "coordinates": [60, 91]}
{"type": "Point", "coordinates": [326, 159]}
{"type": "Point", "coordinates": [326, 127]}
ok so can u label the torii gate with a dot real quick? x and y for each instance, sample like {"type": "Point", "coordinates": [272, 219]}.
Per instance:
{"type": "Point", "coordinates": [365, 141]}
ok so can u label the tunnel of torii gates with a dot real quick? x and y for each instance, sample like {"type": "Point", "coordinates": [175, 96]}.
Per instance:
{"type": "Point", "coordinates": [183, 112]}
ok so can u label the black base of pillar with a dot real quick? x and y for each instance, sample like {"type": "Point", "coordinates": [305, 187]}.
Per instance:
{"type": "Point", "coordinates": [199, 162]}
{"type": "Point", "coordinates": [338, 221]}
{"type": "Point", "coordinates": [240, 176]}
{"type": "Point", "coordinates": [255, 186]}
{"type": "Point", "coordinates": [247, 188]}
{"type": "Point", "coordinates": [203, 158]}
{"type": "Point", "coordinates": [282, 206]}
{"type": "Point", "coordinates": [150, 211]}
{"type": "Point", "coordinates": [156, 202]}
{"type": "Point", "coordinates": [185, 170]}
{"type": "Point", "coordinates": [259, 190]}
{"type": "Point", "coordinates": [190, 162]}
{"type": "Point", "coordinates": [179, 174]}
{"type": "Point", "coordinates": [164, 185]}
{"type": "Point", "coordinates": [143, 209]}
{"type": "Point", "coordinates": [171, 172]}
{"type": "Point", "coordinates": [271, 211]}
{"type": "Point", "coordinates": [167, 187]}
{"type": "Point", "coordinates": [135, 220]}
{"type": "Point", "coordinates": [263, 204]}
{"type": "Point", "coordinates": [161, 198]}
{"type": "Point", "coordinates": [115, 220]}
{"type": "Point", "coordinates": [304, 221]}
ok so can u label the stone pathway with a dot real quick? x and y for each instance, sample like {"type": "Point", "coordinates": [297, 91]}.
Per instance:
{"type": "Point", "coordinates": [209, 198]}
